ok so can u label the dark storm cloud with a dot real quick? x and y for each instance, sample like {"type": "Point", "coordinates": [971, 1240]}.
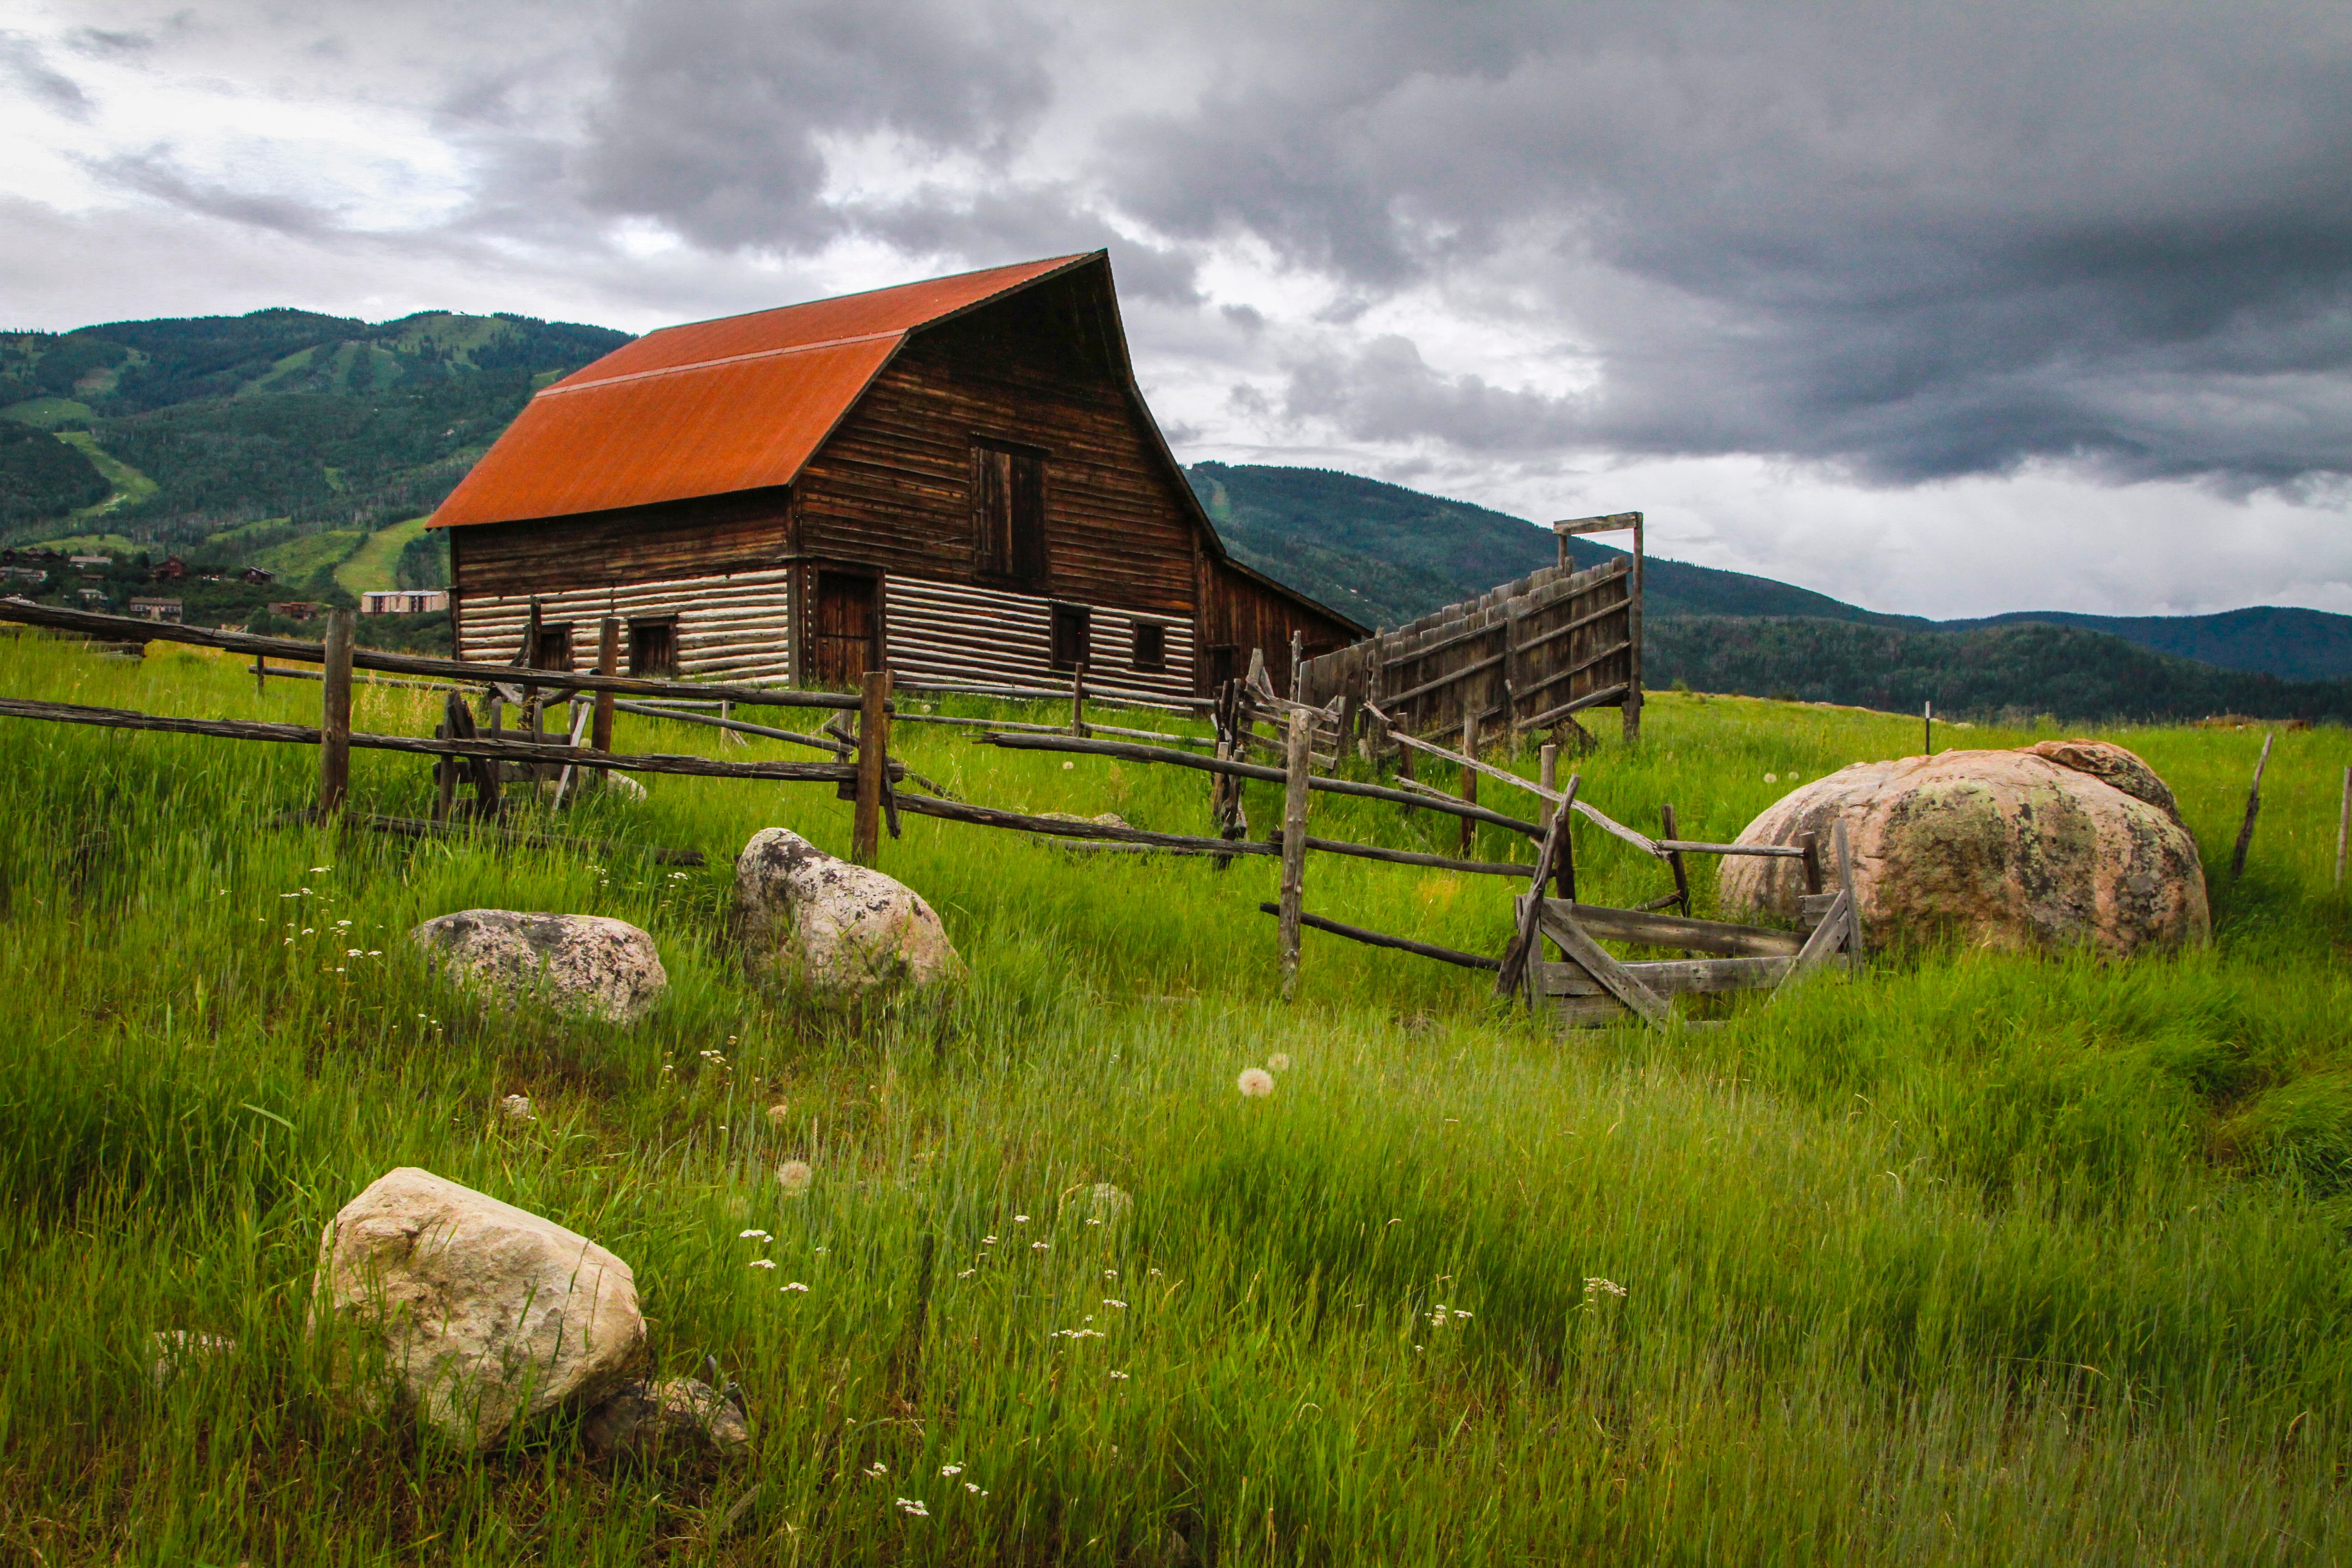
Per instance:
{"type": "Point", "coordinates": [1916, 242]}
{"type": "Point", "coordinates": [716, 117]}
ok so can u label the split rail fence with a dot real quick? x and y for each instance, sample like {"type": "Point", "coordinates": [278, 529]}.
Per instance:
{"type": "Point", "coordinates": [1585, 984]}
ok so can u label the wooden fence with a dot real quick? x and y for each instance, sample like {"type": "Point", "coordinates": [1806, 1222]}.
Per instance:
{"type": "Point", "coordinates": [1526, 655]}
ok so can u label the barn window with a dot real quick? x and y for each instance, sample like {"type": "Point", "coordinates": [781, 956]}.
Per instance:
{"type": "Point", "coordinates": [1008, 510]}
{"type": "Point", "coordinates": [653, 649]}
{"type": "Point", "coordinates": [1073, 628]}
{"type": "Point", "coordinates": [554, 649]}
{"type": "Point", "coordinates": [1150, 646]}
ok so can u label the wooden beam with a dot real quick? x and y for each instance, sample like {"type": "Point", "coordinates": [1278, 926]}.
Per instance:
{"type": "Point", "coordinates": [1670, 977]}
{"type": "Point", "coordinates": [608, 662]}
{"type": "Point", "coordinates": [1295, 796]}
{"type": "Point", "coordinates": [1590, 699]}
{"type": "Point", "coordinates": [1853, 903]}
{"type": "Point", "coordinates": [335, 714]}
{"type": "Point", "coordinates": [1381, 939]}
{"type": "Point", "coordinates": [873, 752]}
{"type": "Point", "coordinates": [2254, 808]}
{"type": "Point", "coordinates": [1619, 981]}
{"type": "Point", "coordinates": [1408, 857]}
{"type": "Point", "coordinates": [118, 626]}
{"type": "Point", "coordinates": [1650, 930]}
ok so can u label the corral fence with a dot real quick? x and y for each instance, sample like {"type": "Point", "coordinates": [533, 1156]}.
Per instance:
{"type": "Point", "coordinates": [1529, 655]}
{"type": "Point", "coordinates": [1588, 985]}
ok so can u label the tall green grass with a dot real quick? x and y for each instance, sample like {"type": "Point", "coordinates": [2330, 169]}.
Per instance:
{"type": "Point", "coordinates": [1980, 1260]}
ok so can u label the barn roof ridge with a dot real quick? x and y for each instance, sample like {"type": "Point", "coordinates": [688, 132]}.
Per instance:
{"type": "Point", "coordinates": [568, 385]}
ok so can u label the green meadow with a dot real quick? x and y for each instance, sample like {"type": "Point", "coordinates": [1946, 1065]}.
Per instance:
{"type": "Point", "coordinates": [1973, 1259]}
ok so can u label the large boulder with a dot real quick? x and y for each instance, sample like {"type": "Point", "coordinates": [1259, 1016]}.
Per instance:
{"type": "Point", "coordinates": [575, 963]}
{"type": "Point", "coordinates": [488, 1316]}
{"type": "Point", "coordinates": [809, 920]}
{"type": "Point", "coordinates": [2072, 844]}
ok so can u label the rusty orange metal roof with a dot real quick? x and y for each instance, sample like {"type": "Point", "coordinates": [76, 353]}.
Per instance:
{"type": "Point", "coordinates": [711, 407]}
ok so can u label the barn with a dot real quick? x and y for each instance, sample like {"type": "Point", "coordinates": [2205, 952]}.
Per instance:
{"type": "Point", "coordinates": [956, 479]}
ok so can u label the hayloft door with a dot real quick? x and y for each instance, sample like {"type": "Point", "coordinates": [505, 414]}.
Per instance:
{"type": "Point", "coordinates": [842, 633]}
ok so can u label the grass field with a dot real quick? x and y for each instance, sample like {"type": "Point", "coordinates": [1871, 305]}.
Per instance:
{"type": "Point", "coordinates": [1979, 1260]}
{"type": "Point", "coordinates": [373, 564]}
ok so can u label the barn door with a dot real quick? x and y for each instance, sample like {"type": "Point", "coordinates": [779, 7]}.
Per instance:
{"type": "Point", "coordinates": [842, 640]}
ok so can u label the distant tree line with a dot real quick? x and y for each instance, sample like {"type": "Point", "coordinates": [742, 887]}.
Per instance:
{"type": "Point", "coordinates": [2027, 668]}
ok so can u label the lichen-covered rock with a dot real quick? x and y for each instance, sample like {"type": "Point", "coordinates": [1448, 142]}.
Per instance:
{"type": "Point", "coordinates": [574, 963]}
{"type": "Point", "coordinates": [2044, 847]}
{"type": "Point", "coordinates": [678, 1417]}
{"type": "Point", "coordinates": [488, 1315]}
{"type": "Point", "coordinates": [810, 920]}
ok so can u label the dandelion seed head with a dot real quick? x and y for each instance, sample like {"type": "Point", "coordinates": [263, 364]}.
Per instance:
{"type": "Point", "coordinates": [1278, 1062]}
{"type": "Point", "coordinates": [1255, 1083]}
{"type": "Point", "coordinates": [777, 1112]}
{"type": "Point", "coordinates": [1772, 778]}
{"type": "Point", "coordinates": [794, 1176]}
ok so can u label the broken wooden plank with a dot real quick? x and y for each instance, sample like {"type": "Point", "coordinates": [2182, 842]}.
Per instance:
{"type": "Point", "coordinates": [1602, 965]}
{"type": "Point", "coordinates": [1673, 976]}
{"type": "Point", "coordinates": [1648, 930]}
{"type": "Point", "coordinates": [1381, 939]}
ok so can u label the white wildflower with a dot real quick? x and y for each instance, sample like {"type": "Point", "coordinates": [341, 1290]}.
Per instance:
{"type": "Point", "coordinates": [763, 1263]}
{"type": "Point", "coordinates": [950, 1469]}
{"type": "Point", "coordinates": [1020, 1219]}
{"type": "Point", "coordinates": [913, 1506]}
{"type": "Point", "coordinates": [753, 1236]}
{"type": "Point", "coordinates": [1041, 1246]}
{"type": "Point", "coordinates": [794, 1285]}
{"type": "Point", "coordinates": [1108, 1303]}
{"type": "Point", "coordinates": [878, 1468]}
{"type": "Point", "coordinates": [1603, 1287]}
{"type": "Point", "coordinates": [970, 1487]}
{"type": "Point", "coordinates": [988, 1241]}
{"type": "Point", "coordinates": [1255, 1083]}
{"type": "Point", "coordinates": [1119, 1377]}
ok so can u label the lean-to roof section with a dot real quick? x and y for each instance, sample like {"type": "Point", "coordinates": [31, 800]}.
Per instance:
{"type": "Point", "coordinates": [710, 407]}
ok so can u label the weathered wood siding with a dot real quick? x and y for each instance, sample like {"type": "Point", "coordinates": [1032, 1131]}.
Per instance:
{"type": "Point", "coordinates": [1239, 613]}
{"type": "Point", "coordinates": [730, 627]}
{"type": "Point", "coordinates": [740, 532]}
{"type": "Point", "coordinates": [892, 486]}
{"type": "Point", "coordinates": [947, 631]}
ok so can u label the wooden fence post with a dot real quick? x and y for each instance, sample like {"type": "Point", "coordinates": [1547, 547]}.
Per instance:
{"type": "Point", "coordinates": [1674, 861]}
{"type": "Point", "coordinates": [335, 714]}
{"type": "Point", "coordinates": [261, 675]}
{"type": "Point", "coordinates": [1810, 843]}
{"type": "Point", "coordinates": [1294, 843]}
{"type": "Point", "coordinates": [873, 759]}
{"type": "Point", "coordinates": [1298, 654]}
{"type": "Point", "coordinates": [1078, 700]}
{"type": "Point", "coordinates": [1469, 773]}
{"type": "Point", "coordinates": [2254, 806]}
{"type": "Point", "coordinates": [608, 662]}
{"type": "Point", "coordinates": [2342, 826]}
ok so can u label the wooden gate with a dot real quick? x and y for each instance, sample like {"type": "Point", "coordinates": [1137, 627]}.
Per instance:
{"type": "Point", "coordinates": [841, 632]}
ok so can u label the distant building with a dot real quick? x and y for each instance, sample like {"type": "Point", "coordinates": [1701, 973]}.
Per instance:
{"type": "Point", "coordinates": [257, 576]}
{"type": "Point", "coordinates": [157, 609]}
{"type": "Point", "coordinates": [295, 610]}
{"type": "Point", "coordinates": [91, 598]}
{"type": "Point", "coordinates": [24, 573]}
{"type": "Point", "coordinates": [171, 570]}
{"type": "Point", "coordinates": [403, 601]}
{"type": "Point", "coordinates": [89, 562]}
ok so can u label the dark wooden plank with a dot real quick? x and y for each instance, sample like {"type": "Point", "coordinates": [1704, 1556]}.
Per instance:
{"type": "Point", "coordinates": [1603, 966]}
{"type": "Point", "coordinates": [335, 713]}
{"type": "Point", "coordinates": [1670, 977]}
{"type": "Point", "coordinates": [1648, 930]}
{"type": "Point", "coordinates": [1409, 856]}
{"type": "Point", "coordinates": [1381, 939]}
{"type": "Point", "coordinates": [873, 750]}
{"type": "Point", "coordinates": [2253, 809]}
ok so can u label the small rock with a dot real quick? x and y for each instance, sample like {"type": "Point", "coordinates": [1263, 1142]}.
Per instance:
{"type": "Point", "coordinates": [177, 1350]}
{"type": "Point", "coordinates": [583, 963]}
{"type": "Point", "coordinates": [679, 1416]}
{"type": "Point", "coordinates": [624, 787]}
{"type": "Point", "coordinates": [516, 1108]}
{"type": "Point", "coordinates": [488, 1315]}
{"type": "Point", "coordinates": [811, 919]}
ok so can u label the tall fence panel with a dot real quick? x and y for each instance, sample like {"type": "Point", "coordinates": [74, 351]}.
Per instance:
{"type": "Point", "coordinates": [1524, 655]}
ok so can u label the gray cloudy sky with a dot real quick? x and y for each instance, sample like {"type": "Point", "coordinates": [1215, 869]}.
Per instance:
{"type": "Point", "coordinates": [1947, 310]}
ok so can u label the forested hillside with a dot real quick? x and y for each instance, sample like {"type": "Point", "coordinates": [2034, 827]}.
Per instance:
{"type": "Point", "coordinates": [312, 421]}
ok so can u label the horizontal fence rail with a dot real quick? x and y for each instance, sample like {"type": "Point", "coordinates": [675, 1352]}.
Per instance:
{"type": "Point", "coordinates": [129, 628]}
